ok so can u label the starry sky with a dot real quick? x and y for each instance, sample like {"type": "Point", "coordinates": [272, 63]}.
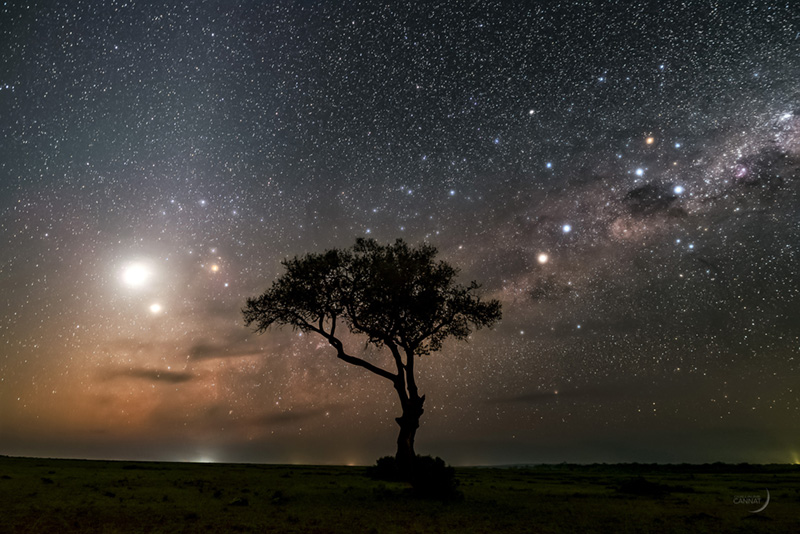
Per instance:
{"type": "Point", "coordinates": [623, 176]}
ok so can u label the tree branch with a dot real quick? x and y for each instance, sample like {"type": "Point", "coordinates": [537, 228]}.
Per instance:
{"type": "Point", "coordinates": [342, 355]}
{"type": "Point", "coordinates": [430, 333]}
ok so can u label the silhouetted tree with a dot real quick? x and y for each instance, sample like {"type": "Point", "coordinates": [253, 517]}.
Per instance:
{"type": "Point", "coordinates": [398, 296]}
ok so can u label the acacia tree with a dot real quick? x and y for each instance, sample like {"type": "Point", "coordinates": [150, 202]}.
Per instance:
{"type": "Point", "coordinates": [398, 296]}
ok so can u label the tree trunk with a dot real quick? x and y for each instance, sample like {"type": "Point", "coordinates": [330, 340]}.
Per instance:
{"type": "Point", "coordinates": [409, 422]}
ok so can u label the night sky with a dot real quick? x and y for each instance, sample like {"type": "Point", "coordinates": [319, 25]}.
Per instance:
{"type": "Point", "coordinates": [625, 179]}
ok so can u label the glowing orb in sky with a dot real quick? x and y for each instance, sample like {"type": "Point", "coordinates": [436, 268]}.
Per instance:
{"type": "Point", "coordinates": [650, 140]}
{"type": "Point", "coordinates": [136, 274]}
{"type": "Point", "coordinates": [542, 258]}
{"type": "Point", "coordinates": [215, 268]}
{"type": "Point", "coordinates": [155, 308]}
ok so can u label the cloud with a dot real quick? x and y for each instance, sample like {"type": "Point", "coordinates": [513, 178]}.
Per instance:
{"type": "Point", "coordinates": [208, 351]}
{"type": "Point", "coordinates": [152, 375]}
{"type": "Point", "coordinates": [235, 341]}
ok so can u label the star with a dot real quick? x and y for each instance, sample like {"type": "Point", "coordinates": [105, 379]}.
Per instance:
{"type": "Point", "coordinates": [136, 274]}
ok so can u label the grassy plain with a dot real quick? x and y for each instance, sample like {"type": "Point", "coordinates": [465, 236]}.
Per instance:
{"type": "Point", "coordinates": [42, 495]}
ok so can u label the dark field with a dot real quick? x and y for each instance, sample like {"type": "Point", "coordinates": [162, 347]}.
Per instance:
{"type": "Point", "coordinates": [40, 495]}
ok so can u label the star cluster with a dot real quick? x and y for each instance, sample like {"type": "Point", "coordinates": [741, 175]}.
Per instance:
{"type": "Point", "coordinates": [623, 176]}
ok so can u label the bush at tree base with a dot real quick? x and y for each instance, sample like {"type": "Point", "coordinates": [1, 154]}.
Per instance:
{"type": "Point", "coordinates": [430, 478]}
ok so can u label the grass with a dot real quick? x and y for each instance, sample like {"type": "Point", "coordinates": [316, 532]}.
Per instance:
{"type": "Point", "coordinates": [40, 495]}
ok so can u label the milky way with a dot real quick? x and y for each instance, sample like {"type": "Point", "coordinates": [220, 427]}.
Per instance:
{"type": "Point", "coordinates": [624, 179]}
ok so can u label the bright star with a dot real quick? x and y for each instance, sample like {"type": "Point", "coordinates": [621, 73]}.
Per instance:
{"type": "Point", "coordinates": [542, 258]}
{"type": "Point", "coordinates": [678, 189]}
{"type": "Point", "coordinates": [155, 308]}
{"type": "Point", "coordinates": [136, 274]}
{"type": "Point", "coordinates": [566, 228]}
{"type": "Point", "coordinates": [640, 172]}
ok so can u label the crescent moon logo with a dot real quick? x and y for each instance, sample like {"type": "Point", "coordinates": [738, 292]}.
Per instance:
{"type": "Point", "coordinates": [765, 504]}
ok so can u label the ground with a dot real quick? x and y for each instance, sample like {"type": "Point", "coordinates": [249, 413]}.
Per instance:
{"type": "Point", "coordinates": [41, 495]}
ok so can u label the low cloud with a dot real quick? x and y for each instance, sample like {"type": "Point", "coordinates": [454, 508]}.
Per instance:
{"type": "Point", "coordinates": [207, 351]}
{"type": "Point", "coordinates": [151, 375]}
